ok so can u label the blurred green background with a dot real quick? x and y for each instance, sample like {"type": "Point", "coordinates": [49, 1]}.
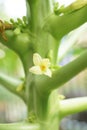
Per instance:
{"type": "Point", "coordinates": [12, 108]}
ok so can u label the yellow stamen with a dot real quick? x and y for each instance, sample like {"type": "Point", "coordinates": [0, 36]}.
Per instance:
{"type": "Point", "coordinates": [43, 67]}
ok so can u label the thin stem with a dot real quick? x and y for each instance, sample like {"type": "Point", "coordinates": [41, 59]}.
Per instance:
{"type": "Point", "coordinates": [62, 75]}
{"type": "Point", "coordinates": [11, 85]}
{"type": "Point", "coordinates": [76, 5]}
{"type": "Point", "coordinates": [59, 26]}
{"type": "Point", "coordinates": [19, 126]}
{"type": "Point", "coordinates": [71, 106]}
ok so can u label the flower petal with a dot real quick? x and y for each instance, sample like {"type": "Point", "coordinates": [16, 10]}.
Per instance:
{"type": "Point", "coordinates": [46, 62]}
{"type": "Point", "coordinates": [37, 59]}
{"type": "Point", "coordinates": [48, 73]}
{"type": "Point", "coordinates": [35, 70]}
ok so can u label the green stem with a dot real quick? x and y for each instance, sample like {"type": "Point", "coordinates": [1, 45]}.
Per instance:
{"type": "Point", "coordinates": [71, 106]}
{"type": "Point", "coordinates": [62, 75]}
{"type": "Point", "coordinates": [38, 10]}
{"type": "Point", "coordinates": [27, 60]}
{"type": "Point", "coordinates": [59, 26]}
{"type": "Point", "coordinates": [11, 85]}
{"type": "Point", "coordinates": [76, 5]}
{"type": "Point", "coordinates": [18, 43]}
{"type": "Point", "coordinates": [30, 94]}
{"type": "Point", "coordinates": [53, 111]}
{"type": "Point", "coordinates": [37, 103]}
{"type": "Point", "coordinates": [19, 126]}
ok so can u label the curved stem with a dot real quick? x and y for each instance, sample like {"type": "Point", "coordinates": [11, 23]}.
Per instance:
{"type": "Point", "coordinates": [64, 74]}
{"type": "Point", "coordinates": [59, 26]}
{"type": "Point", "coordinates": [76, 5]}
{"type": "Point", "coordinates": [19, 126]}
{"type": "Point", "coordinates": [71, 106]}
{"type": "Point", "coordinates": [18, 43]}
{"type": "Point", "coordinates": [11, 85]}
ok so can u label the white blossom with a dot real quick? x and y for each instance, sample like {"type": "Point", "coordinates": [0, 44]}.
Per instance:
{"type": "Point", "coordinates": [41, 65]}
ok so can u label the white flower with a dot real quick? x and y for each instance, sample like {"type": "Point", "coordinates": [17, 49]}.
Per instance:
{"type": "Point", "coordinates": [41, 66]}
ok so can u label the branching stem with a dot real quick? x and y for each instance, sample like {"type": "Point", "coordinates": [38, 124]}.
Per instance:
{"type": "Point", "coordinates": [72, 106]}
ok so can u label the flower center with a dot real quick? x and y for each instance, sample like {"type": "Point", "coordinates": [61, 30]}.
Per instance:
{"type": "Point", "coordinates": [43, 67]}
